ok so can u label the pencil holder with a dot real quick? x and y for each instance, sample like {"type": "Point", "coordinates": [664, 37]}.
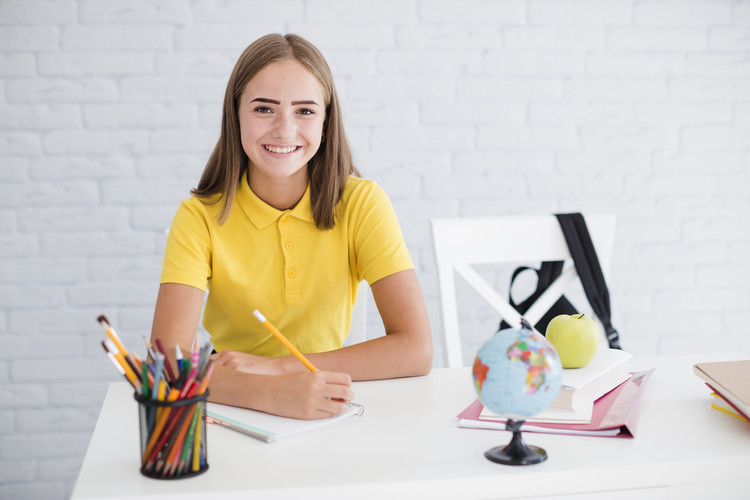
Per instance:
{"type": "Point", "coordinates": [173, 437]}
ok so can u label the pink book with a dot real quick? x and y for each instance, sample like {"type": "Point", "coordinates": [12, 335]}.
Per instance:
{"type": "Point", "coordinates": [615, 414]}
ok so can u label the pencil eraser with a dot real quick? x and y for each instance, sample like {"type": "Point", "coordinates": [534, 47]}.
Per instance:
{"type": "Point", "coordinates": [260, 317]}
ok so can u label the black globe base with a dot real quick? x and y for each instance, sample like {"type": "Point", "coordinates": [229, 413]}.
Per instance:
{"type": "Point", "coordinates": [517, 452]}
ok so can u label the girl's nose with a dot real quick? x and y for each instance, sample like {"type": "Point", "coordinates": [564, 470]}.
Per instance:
{"type": "Point", "coordinates": [285, 127]}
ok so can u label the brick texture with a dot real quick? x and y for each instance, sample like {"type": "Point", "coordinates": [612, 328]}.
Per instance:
{"type": "Point", "coordinates": [109, 110]}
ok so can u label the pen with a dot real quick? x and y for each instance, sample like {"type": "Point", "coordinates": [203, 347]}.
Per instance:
{"type": "Point", "coordinates": [284, 341]}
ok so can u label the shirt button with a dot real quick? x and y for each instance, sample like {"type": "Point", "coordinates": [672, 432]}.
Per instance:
{"type": "Point", "coordinates": [292, 274]}
{"type": "Point", "coordinates": [289, 245]}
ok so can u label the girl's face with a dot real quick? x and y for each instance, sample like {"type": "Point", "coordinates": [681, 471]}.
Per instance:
{"type": "Point", "coordinates": [281, 116]}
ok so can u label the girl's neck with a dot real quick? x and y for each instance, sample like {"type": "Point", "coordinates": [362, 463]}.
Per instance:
{"type": "Point", "coordinates": [283, 193]}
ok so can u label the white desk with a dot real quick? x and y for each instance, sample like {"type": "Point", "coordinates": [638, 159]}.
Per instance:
{"type": "Point", "coordinates": [407, 445]}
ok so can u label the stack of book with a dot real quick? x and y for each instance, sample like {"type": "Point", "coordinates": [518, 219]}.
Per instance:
{"type": "Point", "coordinates": [582, 386]}
{"type": "Point", "coordinates": [600, 399]}
{"type": "Point", "coordinates": [729, 382]}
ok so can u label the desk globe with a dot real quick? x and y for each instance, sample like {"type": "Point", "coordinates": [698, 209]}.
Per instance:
{"type": "Point", "coordinates": [517, 374]}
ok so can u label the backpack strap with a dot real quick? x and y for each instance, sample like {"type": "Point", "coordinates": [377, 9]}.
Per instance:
{"type": "Point", "coordinates": [548, 272]}
{"type": "Point", "coordinates": [589, 271]}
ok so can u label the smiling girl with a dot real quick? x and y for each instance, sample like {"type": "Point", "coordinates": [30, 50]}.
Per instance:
{"type": "Point", "coordinates": [281, 222]}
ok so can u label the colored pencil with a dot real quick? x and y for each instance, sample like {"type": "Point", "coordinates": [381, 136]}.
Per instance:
{"type": "Point", "coordinates": [170, 374]}
{"type": "Point", "coordinates": [172, 437]}
{"type": "Point", "coordinates": [110, 347]}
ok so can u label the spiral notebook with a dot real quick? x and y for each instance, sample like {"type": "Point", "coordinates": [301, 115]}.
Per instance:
{"type": "Point", "coordinates": [267, 427]}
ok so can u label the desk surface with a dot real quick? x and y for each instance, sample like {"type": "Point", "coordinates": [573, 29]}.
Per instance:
{"type": "Point", "coordinates": [408, 443]}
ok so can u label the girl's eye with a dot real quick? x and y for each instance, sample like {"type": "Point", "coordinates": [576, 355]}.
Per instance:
{"type": "Point", "coordinates": [262, 109]}
{"type": "Point", "coordinates": [305, 111]}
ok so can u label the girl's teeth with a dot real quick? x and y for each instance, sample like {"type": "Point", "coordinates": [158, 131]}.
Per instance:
{"type": "Point", "coordinates": [274, 149]}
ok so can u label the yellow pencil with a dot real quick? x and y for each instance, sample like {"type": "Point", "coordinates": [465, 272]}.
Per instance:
{"type": "Point", "coordinates": [284, 341]}
{"type": "Point", "coordinates": [111, 348]}
{"type": "Point", "coordinates": [724, 410]}
{"type": "Point", "coordinates": [197, 443]}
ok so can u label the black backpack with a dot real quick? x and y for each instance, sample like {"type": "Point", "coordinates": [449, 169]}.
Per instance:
{"type": "Point", "coordinates": [589, 271]}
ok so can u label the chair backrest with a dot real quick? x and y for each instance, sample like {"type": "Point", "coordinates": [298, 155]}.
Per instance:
{"type": "Point", "coordinates": [460, 242]}
{"type": "Point", "coordinates": [358, 329]}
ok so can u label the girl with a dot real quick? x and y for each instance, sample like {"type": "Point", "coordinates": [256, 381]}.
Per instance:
{"type": "Point", "coordinates": [279, 222]}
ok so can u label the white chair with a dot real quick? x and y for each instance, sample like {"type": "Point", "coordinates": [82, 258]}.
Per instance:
{"type": "Point", "coordinates": [460, 242]}
{"type": "Point", "coordinates": [358, 328]}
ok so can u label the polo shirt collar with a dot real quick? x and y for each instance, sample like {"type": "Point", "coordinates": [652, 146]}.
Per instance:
{"type": "Point", "coordinates": [262, 214]}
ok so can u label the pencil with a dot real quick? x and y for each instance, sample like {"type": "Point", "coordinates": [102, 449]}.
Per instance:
{"type": "Point", "coordinates": [197, 442]}
{"type": "Point", "coordinates": [170, 374]}
{"type": "Point", "coordinates": [206, 377]}
{"type": "Point", "coordinates": [284, 341]}
{"type": "Point", "coordinates": [110, 347]}
{"type": "Point", "coordinates": [158, 373]}
{"type": "Point", "coordinates": [119, 365]}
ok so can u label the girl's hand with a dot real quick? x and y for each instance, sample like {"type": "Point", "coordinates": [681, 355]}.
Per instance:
{"type": "Point", "coordinates": [248, 363]}
{"type": "Point", "coordinates": [308, 395]}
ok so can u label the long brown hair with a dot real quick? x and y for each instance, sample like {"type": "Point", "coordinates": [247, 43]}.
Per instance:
{"type": "Point", "coordinates": [327, 170]}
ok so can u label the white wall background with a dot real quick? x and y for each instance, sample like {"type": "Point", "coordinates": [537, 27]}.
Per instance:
{"type": "Point", "coordinates": [109, 109]}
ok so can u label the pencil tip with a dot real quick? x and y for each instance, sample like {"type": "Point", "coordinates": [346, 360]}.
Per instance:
{"type": "Point", "coordinates": [103, 320]}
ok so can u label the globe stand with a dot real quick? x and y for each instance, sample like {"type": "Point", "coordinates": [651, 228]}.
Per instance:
{"type": "Point", "coordinates": [517, 452]}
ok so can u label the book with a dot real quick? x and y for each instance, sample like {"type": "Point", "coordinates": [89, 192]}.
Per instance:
{"type": "Point", "coordinates": [615, 414]}
{"type": "Point", "coordinates": [267, 427]}
{"type": "Point", "coordinates": [721, 404]}
{"type": "Point", "coordinates": [580, 416]}
{"type": "Point", "coordinates": [581, 386]}
{"type": "Point", "coordinates": [730, 380]}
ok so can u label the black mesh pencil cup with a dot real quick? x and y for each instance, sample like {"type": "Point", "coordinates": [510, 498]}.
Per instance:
{"type": "Point", "coordinates": [173, 437]}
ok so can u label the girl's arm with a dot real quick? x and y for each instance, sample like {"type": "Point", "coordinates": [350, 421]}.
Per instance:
{"type": "Point", "coordinates": [301, 394]}
{"type": "Point", "coordinates": [405, 350]}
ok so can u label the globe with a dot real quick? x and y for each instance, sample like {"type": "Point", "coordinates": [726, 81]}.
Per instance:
{"type": "Point", "coordinates": [517, 374]}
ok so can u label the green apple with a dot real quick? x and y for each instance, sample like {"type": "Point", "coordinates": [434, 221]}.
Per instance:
{"type": "Point", "coordinates": [575, 338]}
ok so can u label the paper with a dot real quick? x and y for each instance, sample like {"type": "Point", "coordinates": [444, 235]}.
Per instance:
{"type": "Point", "coordinates": [267, 427]}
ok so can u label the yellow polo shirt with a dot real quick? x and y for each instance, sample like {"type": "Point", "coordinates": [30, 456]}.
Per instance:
{"type": "Point", "coordinates": [303, 279]}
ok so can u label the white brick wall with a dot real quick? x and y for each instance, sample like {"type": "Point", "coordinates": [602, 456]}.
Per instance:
{"type": "Point", "coordinates": [109, 109]}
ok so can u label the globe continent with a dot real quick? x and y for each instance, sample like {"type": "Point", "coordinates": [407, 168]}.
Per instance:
{"type": "Point", "coordinates": [517, 373]}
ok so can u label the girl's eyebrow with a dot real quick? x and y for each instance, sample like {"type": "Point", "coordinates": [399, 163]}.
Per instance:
{"type": "Point", "coordinates": [273, 101]}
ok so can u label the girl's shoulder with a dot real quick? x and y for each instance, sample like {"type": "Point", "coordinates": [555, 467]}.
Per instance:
{"type": "Point", "coordinates": [363, 198]}
{"type": "Point", "coordinates": [206, 207]}
{"type": "Point", "coordinates": [357, 189]}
